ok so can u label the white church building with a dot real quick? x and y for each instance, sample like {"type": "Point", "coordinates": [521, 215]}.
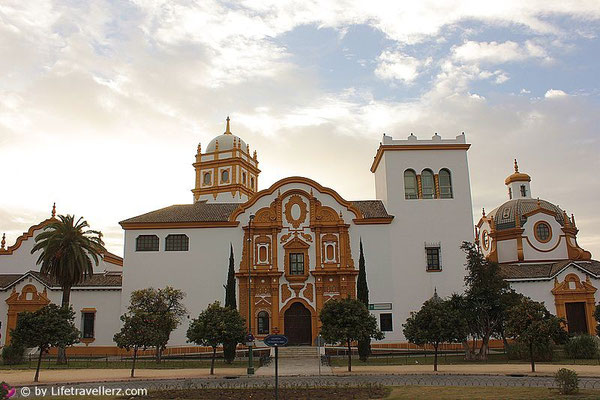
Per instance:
{"type": "Point", "coordinates": [300, 244]}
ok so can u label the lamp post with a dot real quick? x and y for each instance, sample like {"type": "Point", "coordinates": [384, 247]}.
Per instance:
{"type": "Point", "coordinates": [250, 361]}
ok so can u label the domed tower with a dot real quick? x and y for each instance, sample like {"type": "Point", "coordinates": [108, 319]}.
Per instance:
{"type": "Point", "coordinates": [226, 172]}
{"type": "Point", "coordinates": [527, 230]}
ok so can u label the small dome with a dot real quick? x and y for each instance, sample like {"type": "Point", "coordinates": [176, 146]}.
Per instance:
{"type": "Point", "coordinates": [504, 215]}
{"type": "Point", "coordinates": [517, 176]}
{"type": "Point", "coordinates": [226, 141]}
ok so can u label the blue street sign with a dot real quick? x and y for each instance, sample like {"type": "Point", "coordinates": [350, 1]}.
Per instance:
{"type": "Point", "coordinates": [276, 340]}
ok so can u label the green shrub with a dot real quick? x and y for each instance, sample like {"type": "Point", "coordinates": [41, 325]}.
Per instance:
{"type": "Point", "coordinates": [12, 354]}
{"type": "Point", "coordinates": [567, 381]}
{"type": "Point", "coordinates": [541, 352]}
{"type": "Point", "coordinates": [582, 346]}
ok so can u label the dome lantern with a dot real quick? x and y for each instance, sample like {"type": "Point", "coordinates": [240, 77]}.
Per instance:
{"type": "Point", "coordinates": [518, 184]}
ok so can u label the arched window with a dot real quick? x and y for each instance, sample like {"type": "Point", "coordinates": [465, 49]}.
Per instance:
{"type": "Point", "coordinates": [244, 178]}
{"type": "Point", "coordinates": [252, 183]}
{"type": "Point", "coordinates": [224, 176]}
{"type": "Point", "coordinates": [427, 184]}
{"type": "Point", "coordinates": [410, 185]}
{"type": "Point", "coordinates": [177, 243]}
{"type": "Point", "coordinates": [146, 243]}
{"type": "Point", "coordinates": [263, 323]}
{"type": "Point", "coordinates": [445, 184]}
{"type": "Point", "coordinates": [206, 178]}
{"type": "Point", "coordinates": [523, 191]}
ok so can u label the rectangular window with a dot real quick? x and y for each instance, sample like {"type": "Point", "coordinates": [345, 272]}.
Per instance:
{"type": "Point", "coordinates": [433, 259]}
{"type": "Point", "coordinates": [296, 263]}
{"type": "Point", "coordinates": [385, 322]}
{"type": "Point", "coordinates": [146, 243]}
{"type": "Point", "coordinates": [177, 243]}
{"type": "Point", "coordinates": [523, 191]}
{"type": "Point", "coordinates": [88, 324]}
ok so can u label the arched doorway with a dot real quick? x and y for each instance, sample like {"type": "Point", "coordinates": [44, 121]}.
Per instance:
{"type": "Point", "coordinates": [297, 324]}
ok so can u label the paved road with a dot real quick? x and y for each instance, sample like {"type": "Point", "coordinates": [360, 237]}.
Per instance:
{"type": "Point", "coordinates": [331, 380]}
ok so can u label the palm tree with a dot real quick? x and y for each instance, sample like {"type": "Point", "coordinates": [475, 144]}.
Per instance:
{"type": "Point", "coordinates": [67, 250]}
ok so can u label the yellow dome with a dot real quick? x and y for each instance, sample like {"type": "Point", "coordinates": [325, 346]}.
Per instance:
{"type": "Point", "coordinates": [517, 176]}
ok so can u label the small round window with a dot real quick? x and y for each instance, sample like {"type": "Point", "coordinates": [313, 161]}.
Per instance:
{"type": "Point", "coordinates": [543, 232]}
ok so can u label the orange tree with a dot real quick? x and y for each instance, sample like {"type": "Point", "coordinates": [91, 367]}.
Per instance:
{"type": "Point", "coordinates": [346, 321]}
{"type": "Point", "coordinates": [215, 326]}
{"type": "Point", "coordinates": [531, 324]}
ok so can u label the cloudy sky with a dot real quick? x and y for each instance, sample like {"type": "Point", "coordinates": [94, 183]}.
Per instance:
{"type": "Point", "coordinates": [103, 103]}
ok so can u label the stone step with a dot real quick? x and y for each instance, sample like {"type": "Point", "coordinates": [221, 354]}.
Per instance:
{"type": "Point", "coordinates": [298, 352]}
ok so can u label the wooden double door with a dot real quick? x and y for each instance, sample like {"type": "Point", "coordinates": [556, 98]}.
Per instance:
{"type": "Point", "coordinates": [298, 325]}
{"type": "Point", "coordinates": [576, 318]}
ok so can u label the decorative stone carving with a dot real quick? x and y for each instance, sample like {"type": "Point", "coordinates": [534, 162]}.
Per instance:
{"type": "Point", "coordinates": [295, 200]}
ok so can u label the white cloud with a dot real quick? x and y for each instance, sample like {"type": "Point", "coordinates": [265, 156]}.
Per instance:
{"type": "Point", "coordinates": [133, 87]}
{"type": "Point", "coordinates": [399, 66]}
{"type": "Point", "coordinates": [497, 53]}
{"type": "Point", "coordinates": [554, 93]}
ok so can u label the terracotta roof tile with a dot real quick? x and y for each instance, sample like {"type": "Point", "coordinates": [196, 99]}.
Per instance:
{"type": "Point", "coordinates": [8, 279]}
{"type": "Point", "coordinates": [545, 270]}
{"type": "Point", "coordinates": [96, 280]}
{"type": "Point", "coordinates": [371, 208]}
{"type": "Point", "coordinates": [197, 212]}
{"type": "Point", "coordinates": [220, 212]}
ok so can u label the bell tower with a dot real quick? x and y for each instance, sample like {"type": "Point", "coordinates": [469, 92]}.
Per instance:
{"type": "Point", "coordinates": [518, 184]}
{"type": "Point", "coordinates": [226, 172]}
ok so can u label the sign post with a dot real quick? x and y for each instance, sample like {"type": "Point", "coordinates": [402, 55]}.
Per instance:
{"type": "Point", "coordinates": [276, 341]}
{"type": "Point", "coordinates": [319, 344]}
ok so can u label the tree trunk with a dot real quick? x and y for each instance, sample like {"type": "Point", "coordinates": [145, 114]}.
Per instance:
{"type": "Point", "coordinates": [435, 359]}
{"type": "Point", "coordinates": [467, 349]}
{"type": "Point", "coordinates": [61, 357]}
{"type": "Point", "coordinates": [135, 349]}
{"type": "Point", "coordinates": [37, 371]}
{"type": "Point", "coordinates": [531, 357]}
{"type": "Point", "coordinates": [158, 354]}
{"type": "Point", "coordinates": [349, 357]}
{"type": "Point", "coordinates": [483, 351]}
{"type": "Point", "coordinates": [212, 362]}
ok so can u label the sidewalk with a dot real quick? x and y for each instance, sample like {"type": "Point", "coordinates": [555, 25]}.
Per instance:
{"type": "Point", "coordinates": [24, 377]}
{"type": "Point", "coordinates": [21, 377]}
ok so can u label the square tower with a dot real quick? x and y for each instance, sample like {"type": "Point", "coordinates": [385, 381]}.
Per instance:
{"type": "Point", "coordinates": [425, 185]}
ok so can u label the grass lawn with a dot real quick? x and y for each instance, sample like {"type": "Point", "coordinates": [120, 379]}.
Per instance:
{"type": "Point", "coordinates": [126, 364]}
{"type": "Point", "coordinates": [373, 392]}
{"type": "Point", "coordinates": [451, 359]}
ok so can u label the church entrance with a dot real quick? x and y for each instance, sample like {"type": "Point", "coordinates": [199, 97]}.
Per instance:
{"type": "Point", "coordinates": [297, 323]}
{"type": "Point", "coordinates": [576, 318]}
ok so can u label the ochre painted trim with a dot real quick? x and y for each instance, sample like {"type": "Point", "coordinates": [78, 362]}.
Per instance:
{"type": "Point", "coordinates": [582, 293]}
{"type": "Point", "coordinates": [373, 221]}
{"type": "Point", "coordinates": [170, 225]}
{"type": "Point", "coordinates": [26, 235]}
{"type": "Point", "coordinates": [295, 179]}
{"type": "Point", "coordinates": [545, 251]}
{"type": "Point", "coordinates": [408, 147]}
{"type": "Point", "coordinates": [113, 259]}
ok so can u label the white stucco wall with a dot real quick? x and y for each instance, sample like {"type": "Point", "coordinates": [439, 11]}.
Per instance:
{"type": "Point", "coordinates": [106, 302]}
{"type": "Point", "coordinates": [448, 222]}
{"type": "Point", "coordinates": [542, 290]}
